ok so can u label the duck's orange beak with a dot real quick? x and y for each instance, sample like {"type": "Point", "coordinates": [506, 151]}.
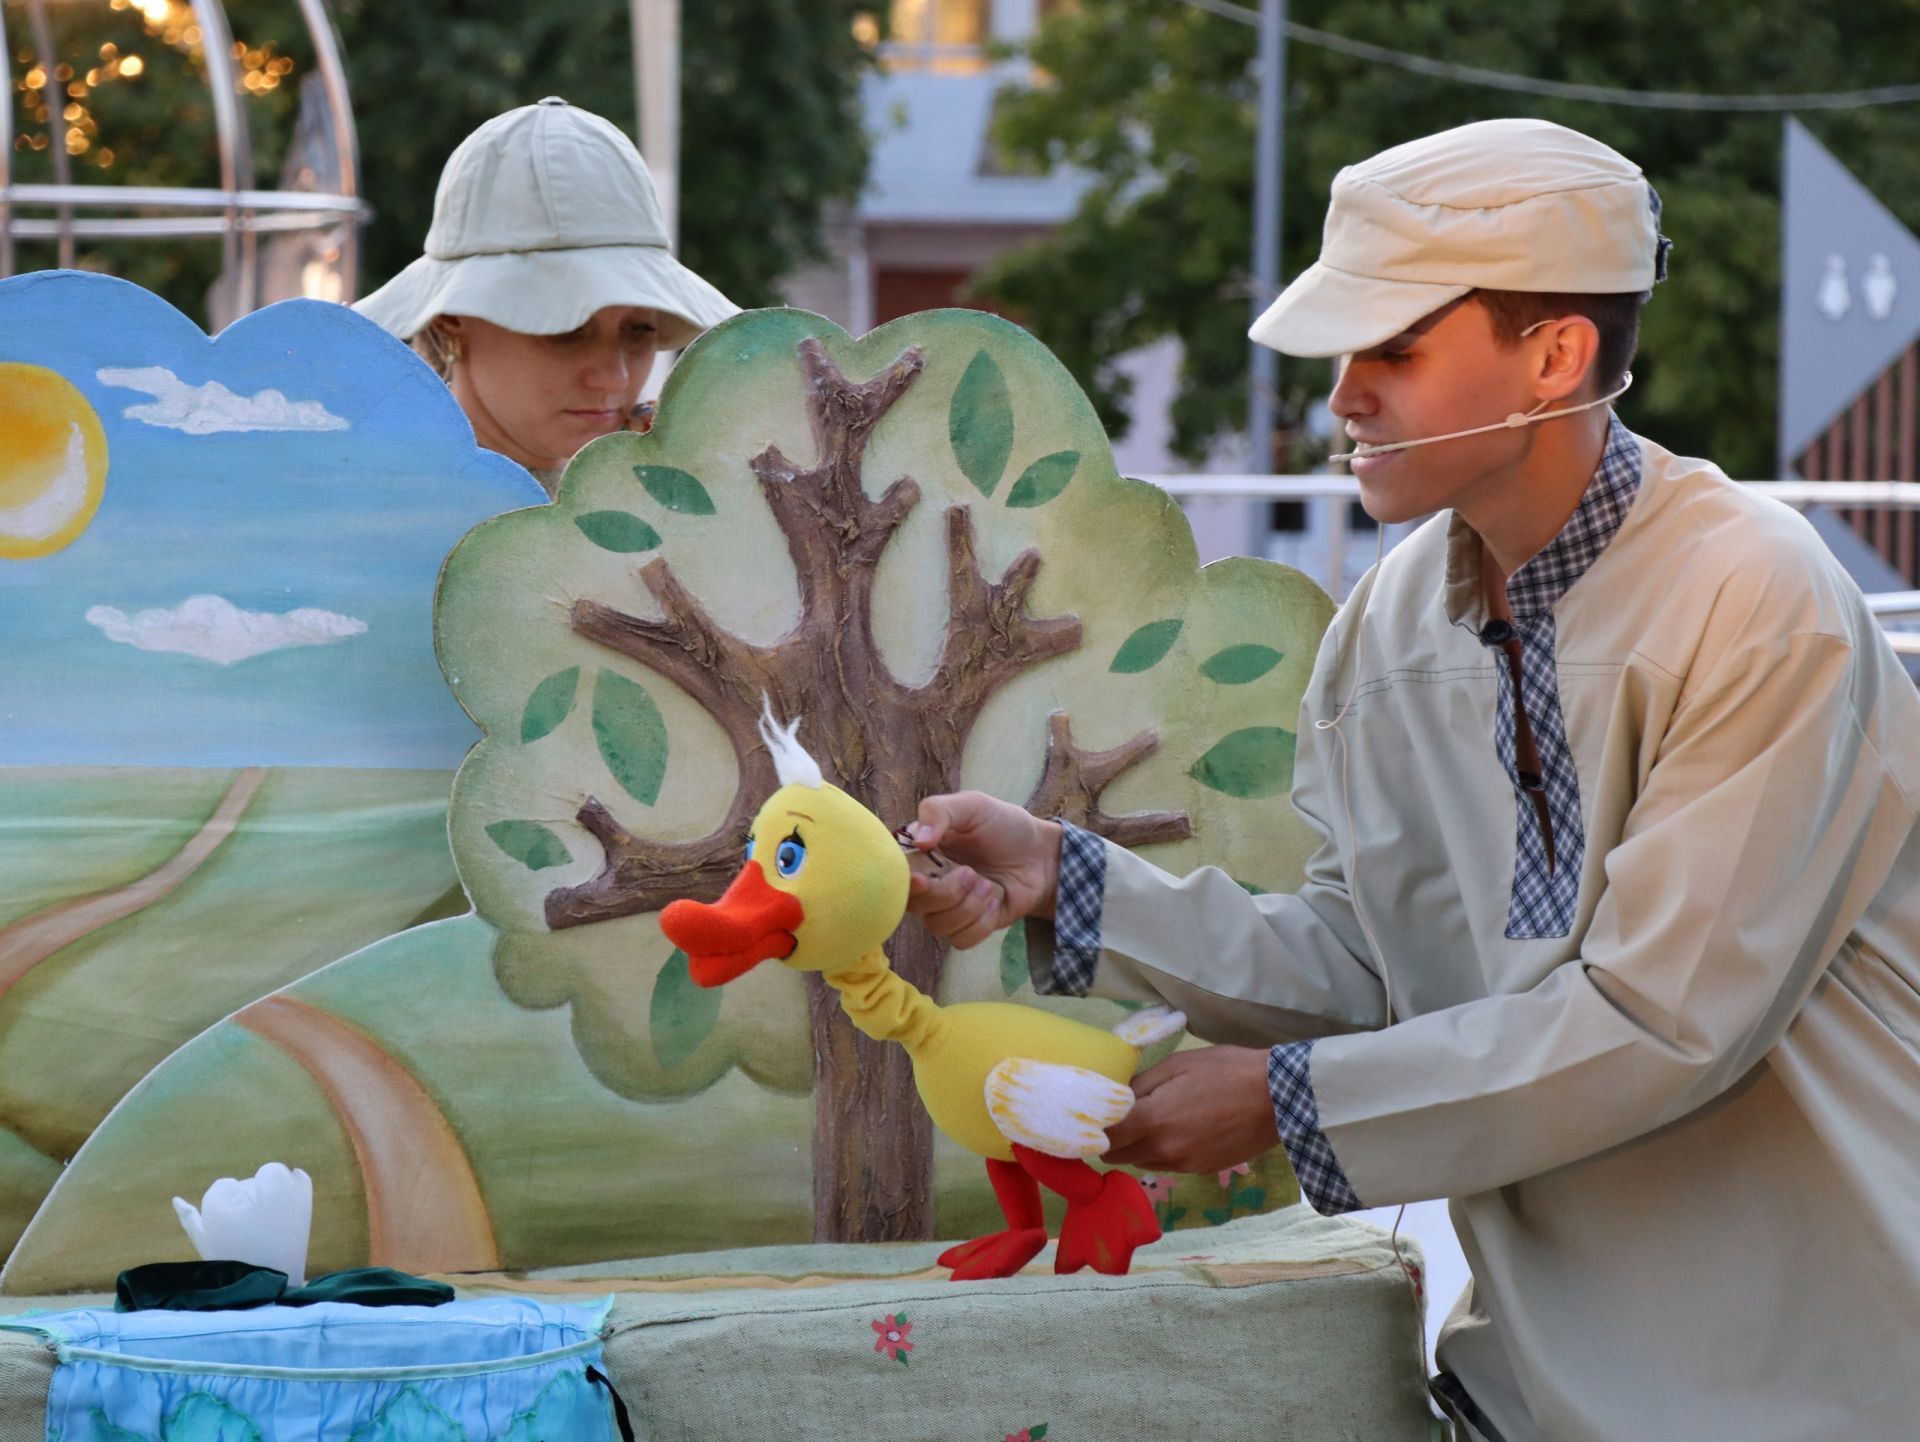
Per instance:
{"type": "Point", "coordinates": [753, 922]}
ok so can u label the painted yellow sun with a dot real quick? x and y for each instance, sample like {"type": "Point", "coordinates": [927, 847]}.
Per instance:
{"type": "Point", "coordinates": [53, 461]}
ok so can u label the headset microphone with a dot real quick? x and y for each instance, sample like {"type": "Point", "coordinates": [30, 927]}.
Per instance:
{"type": "Point", "coordinates": [1512, 422]}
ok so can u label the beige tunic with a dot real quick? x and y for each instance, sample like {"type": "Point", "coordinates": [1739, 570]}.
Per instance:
{"type": "Point", "coordinates": [1682, 1143]}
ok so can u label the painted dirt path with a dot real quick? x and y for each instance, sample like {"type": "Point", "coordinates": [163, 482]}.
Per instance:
{"type": "Point", "coordinates": [32, 939]}
{"type": "Point", "coordinates": [424, 1208]}
{"type": "Point", "coordinates": [425, 1211]}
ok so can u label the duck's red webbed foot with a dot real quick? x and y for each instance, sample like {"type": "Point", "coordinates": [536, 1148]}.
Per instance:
{"type": "Point", "coordinates": [1002, 1254]}
{"type": "Point", "coordinates": [1108, 1213]}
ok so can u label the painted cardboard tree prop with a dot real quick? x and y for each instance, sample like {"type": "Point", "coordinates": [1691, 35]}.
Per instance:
{"type": "Point", "coordinates": [917, 542]}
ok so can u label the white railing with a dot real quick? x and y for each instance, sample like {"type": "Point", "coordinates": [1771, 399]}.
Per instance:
{"type": "Point", "coordinates": [1867, 495]}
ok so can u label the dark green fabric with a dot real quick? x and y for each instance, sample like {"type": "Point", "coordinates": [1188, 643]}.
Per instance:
{"type": "Point", "coordinates": [197, 1287]}
{"type": "Point", "coordinates": [237, 1286]}
{"type": "Point", "coordinates": [370, 1287]}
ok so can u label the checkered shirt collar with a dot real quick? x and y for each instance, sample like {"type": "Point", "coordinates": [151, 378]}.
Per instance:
{"type": "Point", "coordinates": [1542, 581]}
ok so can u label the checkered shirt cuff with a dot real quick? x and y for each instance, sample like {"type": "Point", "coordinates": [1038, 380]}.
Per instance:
{"type": "Point", "coordinates": [1290, 1081]}
{"type": "Point", "coordinates": [1077, 901]}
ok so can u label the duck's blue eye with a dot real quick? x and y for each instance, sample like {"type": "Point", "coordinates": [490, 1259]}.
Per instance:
{"type": "Point", "coordinates": [788, 859]}
{"type": "Point", "coordinates": [749, 848]}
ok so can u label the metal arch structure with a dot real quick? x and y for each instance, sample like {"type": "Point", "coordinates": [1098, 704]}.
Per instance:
{"type": "Point", "coordinates": [235, 213]}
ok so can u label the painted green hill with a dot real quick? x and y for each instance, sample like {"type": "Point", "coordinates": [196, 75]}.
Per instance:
{"type": "Point", "coordinates": [314, 864]}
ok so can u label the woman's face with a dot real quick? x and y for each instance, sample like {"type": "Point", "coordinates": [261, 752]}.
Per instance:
{"type": "Point", "coordinates": [539, 398]}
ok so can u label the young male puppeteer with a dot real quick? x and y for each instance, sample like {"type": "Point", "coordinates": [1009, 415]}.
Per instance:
{"type": "Point", "coordinates": [1612, 937]}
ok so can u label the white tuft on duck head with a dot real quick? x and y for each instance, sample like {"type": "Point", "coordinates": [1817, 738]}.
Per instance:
{"type": "Point", "coordinates": [791, 763]}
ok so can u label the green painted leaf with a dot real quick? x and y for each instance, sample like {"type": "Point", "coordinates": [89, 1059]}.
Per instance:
{"type": "Point", "coordinates": [899, 1317]}
{"type": "Point", "coordinates": [1216, 1216]}
{"type": "Point", "coordinates": [550, 704]}
{"type": "Point", "coordinates": [1044, 479]}
{"type": "Point", "coordinates": [682, 1013]}
{"type": "Point", "coordinates": [1145, 648]}
{"type": "Point", "coordinates": [530, 844]}
{"type": "Point", "coordinates": [676, 490]}
{"type": "Point", "coordinates": [1174, 1214]}
{"type": "Point", "coordinates": [632, 735]}
{"type": "Point", "coordinates": [619, 531]}
{"type": "Point", "coordinates": [980, 423]}
{"type": "Point", "coordinates": [1250, 888]}
{"type": "Point", "coordinates": [1238, 665]}
{"type": "Point", "coordinates": [1253, 1198]}
{"type": "Point", "coordinates": [901, 1358]}
{"type": "Point", "coordinates": [1251, 763]}
{"type": "Point", "coordinates": [1013, 958]}
{"type": "Point", "coordinates": [1037, 1432]}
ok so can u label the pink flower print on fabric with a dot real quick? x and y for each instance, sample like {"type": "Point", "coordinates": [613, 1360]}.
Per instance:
{"type": "Point", "coordinates": [1029, 1434]}
{"type": "Point", "coordinates": [1238, 1169]}
{"type": "Point", "coordinates": [1158, 1189]}
{"type": "Point", "coordinates": [893, 1332]}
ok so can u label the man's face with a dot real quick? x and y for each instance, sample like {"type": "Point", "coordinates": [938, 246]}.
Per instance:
{"type": "Point", "coordinates": [1445, 373]}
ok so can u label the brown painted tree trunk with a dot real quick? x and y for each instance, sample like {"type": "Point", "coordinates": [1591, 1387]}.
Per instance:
{"type": "Point", "coordinates": [885, 743]}
{"type": "Point", "coordinates": [872, 1139]}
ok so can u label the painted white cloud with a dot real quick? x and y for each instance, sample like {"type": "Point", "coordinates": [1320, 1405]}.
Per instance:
{"type": "Point", "coordinates": [205, 410]}
{"type": "Point", "coordinates": [214, 629]}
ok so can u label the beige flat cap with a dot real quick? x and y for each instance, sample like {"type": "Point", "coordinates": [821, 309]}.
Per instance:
{"type": "Point", "coordinates": [1497, 205]}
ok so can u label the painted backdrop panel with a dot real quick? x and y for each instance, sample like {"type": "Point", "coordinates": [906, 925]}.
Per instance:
{"type": "Point", "coordinates": [225, 745]}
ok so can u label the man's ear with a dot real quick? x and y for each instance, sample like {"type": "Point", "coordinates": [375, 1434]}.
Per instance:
{"type": "Point", "coordinates": [1566, 359]}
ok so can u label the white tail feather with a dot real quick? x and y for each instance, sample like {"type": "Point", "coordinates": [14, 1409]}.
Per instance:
{"type": "Point", "coordinates": [1155, 1023]}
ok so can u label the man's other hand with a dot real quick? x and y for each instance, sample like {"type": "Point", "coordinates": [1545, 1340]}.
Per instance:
{"type": "Point", "coordinates": [1198, 1111]}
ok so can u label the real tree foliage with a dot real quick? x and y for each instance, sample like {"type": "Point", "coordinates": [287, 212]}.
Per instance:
{"type": "Point", "coordinates": [1157, 100]}
{"type": "Point", "coordinates": [770, 127]}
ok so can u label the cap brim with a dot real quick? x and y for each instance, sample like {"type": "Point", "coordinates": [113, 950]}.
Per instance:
{"type": "Point", "coordinates": [1328, 312]}
{"type": "Point", "coordinates": [550, 292]}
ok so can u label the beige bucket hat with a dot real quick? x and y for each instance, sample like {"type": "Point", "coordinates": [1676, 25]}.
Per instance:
{"type": "Point", "coordinates": [543, 216]}
{"type": "Point", "coordinates": [1497, 205]}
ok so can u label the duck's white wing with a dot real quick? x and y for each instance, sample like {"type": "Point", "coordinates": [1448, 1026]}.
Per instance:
{"type": "Point", "coordinates": [1063, 1111]}
{"type": "Point", "coordinates": [1150, 1024]}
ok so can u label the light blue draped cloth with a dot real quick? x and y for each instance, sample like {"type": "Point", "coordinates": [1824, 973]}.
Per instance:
{"type": "Point", "coordinates": [500, 1369]}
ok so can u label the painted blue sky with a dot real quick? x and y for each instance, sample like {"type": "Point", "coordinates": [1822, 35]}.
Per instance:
{"type": "Point", "coordinates": [243, 596]}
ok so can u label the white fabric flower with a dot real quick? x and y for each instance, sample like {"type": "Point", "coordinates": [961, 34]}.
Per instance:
{"type": "Point", "coordinates": [264, 1220]}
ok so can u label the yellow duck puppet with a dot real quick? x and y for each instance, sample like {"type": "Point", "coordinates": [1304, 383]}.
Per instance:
{"type": "Point", "coordinates": [824, 886]}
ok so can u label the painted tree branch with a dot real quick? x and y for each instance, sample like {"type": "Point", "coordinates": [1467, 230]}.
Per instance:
{"type": "Point", "coordinates": [844, 412]}
{"type": "Point", "coordinates": [686, 645]}
{"type": "Point", "coordinates": [990, 637]}
{"type": "Point", "coordinates": [1072, 781]}
{"type": "Point", "coordinates": [825, 507]}
{"type": "Point", "coordinates": [726, 676]}
{"type": "Point", "coordinates": [641, 876]}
